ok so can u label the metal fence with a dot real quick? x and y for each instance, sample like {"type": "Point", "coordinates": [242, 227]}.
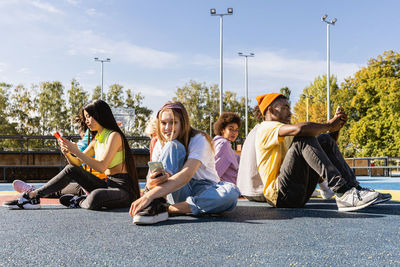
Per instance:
{"type": "Point", "coordinates": [49, 142]}
{"type": "Point", "coordinates": [375, 166]}
{"type": "Point", "coordinates": [34, 157]}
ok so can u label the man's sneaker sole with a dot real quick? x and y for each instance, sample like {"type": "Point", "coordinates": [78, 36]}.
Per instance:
{"type": "Point", "coordinates": [138, 219]}
{"type": "Point", "coordinates": [381, 200]}
{"type": "Point", "coordinates": [345, 209]}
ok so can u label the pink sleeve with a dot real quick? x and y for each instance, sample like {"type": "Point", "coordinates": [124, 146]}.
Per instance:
{"type": "Point", "coordinates": [224, 157]}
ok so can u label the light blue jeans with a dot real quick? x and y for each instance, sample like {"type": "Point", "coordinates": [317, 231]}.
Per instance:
{"type": "Point", "coordinates": [203, 196]}
{"type": "Point", "coordinates": [173, 156]}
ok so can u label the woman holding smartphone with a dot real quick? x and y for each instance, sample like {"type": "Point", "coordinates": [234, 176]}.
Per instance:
{"type": "Point", "coordinates": [194, 188]}
{"type": "Point", "coordinates": [112, 156]}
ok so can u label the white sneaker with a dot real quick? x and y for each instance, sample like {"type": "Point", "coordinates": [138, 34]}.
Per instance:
{"type": "Point", "coordinates": [156, 212]}
{"type": "Point", "coordinates": [354, 199]}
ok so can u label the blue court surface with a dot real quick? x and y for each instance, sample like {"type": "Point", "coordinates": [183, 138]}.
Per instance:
{"type": "Point", "coordinates": [254, 234]}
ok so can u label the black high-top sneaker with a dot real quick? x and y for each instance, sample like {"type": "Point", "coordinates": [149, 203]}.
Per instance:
{"type": "Point", "coordinates": [156, 212]}
{"type": "Point", "coordinates": [24, 202]}
{"type": "Point", "coordinates": [71, 201]}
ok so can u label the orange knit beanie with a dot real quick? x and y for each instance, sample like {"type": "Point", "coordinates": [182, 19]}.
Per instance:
{"type": "Point", "coordinates": [265, 100]}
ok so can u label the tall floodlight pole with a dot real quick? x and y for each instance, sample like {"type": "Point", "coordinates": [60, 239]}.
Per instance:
{"type": "Point", "coordinates": [102, 61]}
{"type": "Point", "coordinates": [328, 78]}
{"type": "Point", "coordinates": [213, 12]}
{"type": "Point", "coordinates": [246, 82]}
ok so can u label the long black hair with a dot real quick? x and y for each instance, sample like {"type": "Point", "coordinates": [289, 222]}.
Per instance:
{"type": "Point", "coordinates": [101, 112]}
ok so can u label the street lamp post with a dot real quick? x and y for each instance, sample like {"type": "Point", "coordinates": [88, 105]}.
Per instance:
{"type": "Point", "coordinates": [246, 81]}
{"type": "Point", "coordinates": [213, 12]}
{"type": "Point", "coordinates": [328, 99]}
{"type": "Point", "coordinates": [102, 61]}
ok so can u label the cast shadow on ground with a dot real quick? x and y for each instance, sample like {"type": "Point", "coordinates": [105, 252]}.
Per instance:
{"type": "Point", "coordinates": [261, 213]}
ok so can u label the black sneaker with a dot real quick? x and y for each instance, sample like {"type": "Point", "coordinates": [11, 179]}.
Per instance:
{"type": "Point", "coordinates": [23, 202]}
{"type": "Point", "coordinates": [66, 199]}
{"type": "Point", "coordinates": [76, 201]}
{"type": "Point", "coordinates": [156, 212]}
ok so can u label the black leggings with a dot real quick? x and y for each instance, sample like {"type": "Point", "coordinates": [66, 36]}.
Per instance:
{"type": "Point", "coordinates": [73, 189]}
{"type": "Point", "coordinates": [101, 194]}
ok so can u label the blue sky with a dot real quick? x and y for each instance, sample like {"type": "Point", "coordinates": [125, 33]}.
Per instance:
{"type": "Point", "coordinates": [157, 46]}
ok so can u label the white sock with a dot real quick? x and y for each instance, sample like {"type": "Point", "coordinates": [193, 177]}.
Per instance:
{"type": "Point", "coordinates": [324, 186]}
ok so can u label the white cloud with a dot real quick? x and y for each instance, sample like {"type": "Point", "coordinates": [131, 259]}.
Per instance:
{"type": "Point", "coordinates": [86, 42]}
{"type": "Point", "coordinates": [149, 90]}
{"type": "Point", "coordinates": [24, 70]}
{"type": "Point", "coordinates": [45, 6]}
{"type": "Point", "coordinates": [93, 12]}
{"type": "Point", "coordinates": [205, 60]}
{"type": "Point", "coordinates": [89, 72]}
{"type": "Point", "coordinates": [73, 2]}
{"type": "Point", "coordinates": [2, 66]}
{"type": "Point", "coordinates": [273, 64]}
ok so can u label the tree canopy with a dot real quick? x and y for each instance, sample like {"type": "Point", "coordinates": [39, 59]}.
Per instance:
{"type": "Point", "coordinates": [370, 98]}
{"type": "Point", "coordinates": [202, 104]}
{"type": "Point", "coordinates": [46, 107]}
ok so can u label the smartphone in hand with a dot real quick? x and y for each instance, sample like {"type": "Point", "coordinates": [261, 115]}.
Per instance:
{"type": "Point", "coordinates": [155, 166]}
{"type": "Point", "coordinates": [57, 135]}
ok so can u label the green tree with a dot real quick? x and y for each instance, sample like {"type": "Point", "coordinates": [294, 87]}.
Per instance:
{"type": "Point", "coordinates": [77, 98]}
{"type": "Point", "coordinates": [51, 107]}
{"type": "Point", "coordinates": [115, 96]}
{"type": "Point", "coordinates": [316, 93]}
{"type": "Point", "coordinates": [5, 126]}
{"type": "Point", "coordinates": [142, 114]}
{"type": "Point", "coordinates": [97, 93]}
{"type": "Point", "coordinates": [24, 110]}
{"type": "Point", "coordinates": [286, 92]}
{"type": "Point", "coordinates": [202, 103]}
{"type": "Point", "coordinates": [371, 98]}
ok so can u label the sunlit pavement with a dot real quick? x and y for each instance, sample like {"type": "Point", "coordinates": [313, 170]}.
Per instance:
{"type": "Point", "coordinates": [252, 234]}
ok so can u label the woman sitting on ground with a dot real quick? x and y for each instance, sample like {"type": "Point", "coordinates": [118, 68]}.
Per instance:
{"type": "Point", "coordinates": [72, 188]}
{"type": "Point", "coordinates": [112, 156]}
{"type": "Point", "coordinates": [226, 130]}
{"type": "Point", "coordinates": [194, 189]}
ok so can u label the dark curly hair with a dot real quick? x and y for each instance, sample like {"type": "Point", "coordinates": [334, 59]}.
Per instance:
{"type": "Point", "coordinates": [225, 119]}
{"type": "Point", "coordinates": [257, 114]}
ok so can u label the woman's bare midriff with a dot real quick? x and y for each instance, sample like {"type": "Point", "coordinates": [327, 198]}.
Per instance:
{"type": "Point", "coordinates": [120, 168]}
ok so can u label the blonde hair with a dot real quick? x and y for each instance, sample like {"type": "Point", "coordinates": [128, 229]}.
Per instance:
{"type": "Point", "coordinates": [151, 127]}
{"type": "Point", "coordinates": [186, 132]}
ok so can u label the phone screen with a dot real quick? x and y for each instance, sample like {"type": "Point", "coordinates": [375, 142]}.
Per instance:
{"type": "Point", "coordinates": [155, 166]}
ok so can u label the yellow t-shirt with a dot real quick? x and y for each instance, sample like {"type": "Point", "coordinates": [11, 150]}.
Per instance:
{"type": "Point", "coordinates": [270, 152]}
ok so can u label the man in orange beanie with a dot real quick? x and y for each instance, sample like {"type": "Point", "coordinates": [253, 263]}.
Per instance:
{"type": "Point", "coordinates": [291, 158]}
